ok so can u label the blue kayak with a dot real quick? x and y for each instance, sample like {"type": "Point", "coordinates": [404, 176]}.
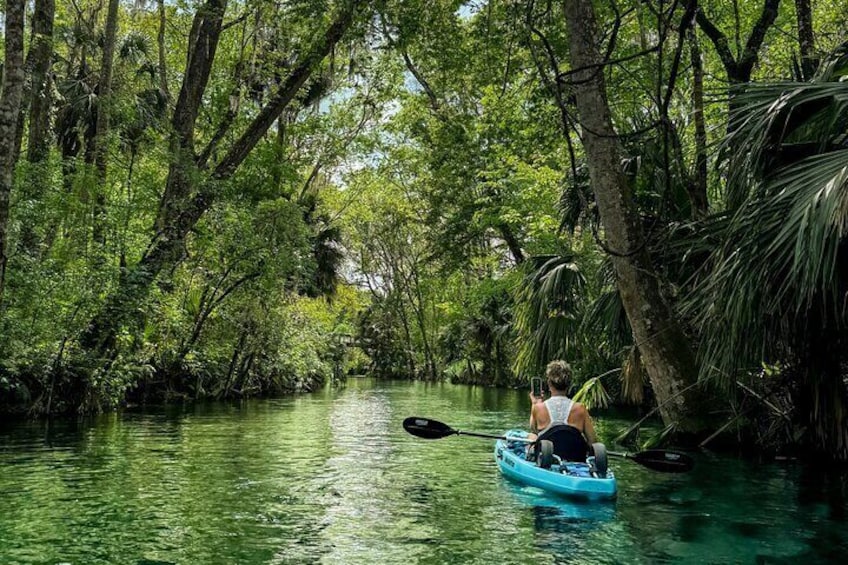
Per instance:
{"type": "Point", "coordinates": [563, 478]}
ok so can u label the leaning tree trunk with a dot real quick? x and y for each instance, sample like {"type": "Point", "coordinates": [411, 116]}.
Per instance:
{"type": "Point", "coordinates": [134, 285]}
{"type": "Point", "coordinates": [666, 353]}
{"type": "Point", "coordinates": [10, 103]}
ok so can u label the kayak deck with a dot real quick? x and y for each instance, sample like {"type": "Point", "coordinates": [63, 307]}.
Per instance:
{"type": "Point", "coordinates": [572, 479]}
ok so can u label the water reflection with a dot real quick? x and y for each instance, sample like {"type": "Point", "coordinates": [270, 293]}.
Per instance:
{"type": "Point", "coordinates": [331, 477]}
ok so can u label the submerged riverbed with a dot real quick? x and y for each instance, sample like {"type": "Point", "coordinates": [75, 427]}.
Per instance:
{"type": "Point", "coordinates": [332, 477]}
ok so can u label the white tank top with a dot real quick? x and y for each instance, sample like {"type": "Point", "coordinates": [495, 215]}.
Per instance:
{"type": "Point", "coordinates": [559, 407]}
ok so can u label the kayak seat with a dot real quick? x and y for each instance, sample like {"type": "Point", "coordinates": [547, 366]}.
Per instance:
{"type": "Point", "coordinates": [569, 443]}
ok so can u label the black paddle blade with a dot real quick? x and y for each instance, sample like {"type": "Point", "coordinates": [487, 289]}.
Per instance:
{"type": "Point", "coordinates": [664, 461]}
{"type": "Point", "coordinates": [427, 428]}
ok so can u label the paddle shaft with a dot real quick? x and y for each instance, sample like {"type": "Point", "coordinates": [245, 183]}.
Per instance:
{"type": "Point", "coordinates": [490, 436]}
{"type": "Point", "coordinates": [659, 460]}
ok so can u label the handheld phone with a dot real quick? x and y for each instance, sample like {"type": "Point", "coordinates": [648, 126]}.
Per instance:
{"type": "Point", "coordinates": [536, 386]}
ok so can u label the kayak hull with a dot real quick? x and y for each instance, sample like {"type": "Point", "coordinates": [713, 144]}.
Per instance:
{"type": "Point", "coordinates": [573, 480]}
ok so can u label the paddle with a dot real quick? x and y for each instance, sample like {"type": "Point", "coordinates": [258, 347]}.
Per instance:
{"type": "Point", "coordinates": [433, 429]}
{"type": "Point", "coordinates": [661, 460]}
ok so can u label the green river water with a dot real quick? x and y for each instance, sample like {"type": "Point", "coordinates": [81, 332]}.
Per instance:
{"type": "Point", "coordinates": [331, 477]}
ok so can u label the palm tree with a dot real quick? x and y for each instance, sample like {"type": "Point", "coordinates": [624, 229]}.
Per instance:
{"type": "Point", "coordinates": [774, 288]}
{"type": "Point", "coordinates": [549, 311]}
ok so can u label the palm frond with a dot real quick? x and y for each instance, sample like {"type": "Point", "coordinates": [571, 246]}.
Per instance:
{"type": "Point", "coordinates": [779, 259]}
{"type": "Point", "coordinates": [593, 394]}
{"type": "Point", "coordinates": [658, 439]}
{"type": "Point", "coordinates": [606, 316]}
{"type": "Point", "coordinates": [134, 48]}
{"type": "Point", "coordinates": [549, 307]}
{"type": "Point", "coordinates": [774, 125]}
{"type": "Point", "coordinates": [633, 378]}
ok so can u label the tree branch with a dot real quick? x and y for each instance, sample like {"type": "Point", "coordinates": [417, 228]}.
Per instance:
{"type": "Point", "coordinates": [750, 55]}
{"type": "Point", "coordinates": [720, 43]}
{"type": "Point", "coordinates": [269, 114]}
{"type": "Point", "coordinates": [434, 102]}
{"type": "Point", "coordinates": [740, 70]}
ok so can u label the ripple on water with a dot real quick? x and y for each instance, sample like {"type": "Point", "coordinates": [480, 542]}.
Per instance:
{"type": "Point", "coordinates": [332, 477]}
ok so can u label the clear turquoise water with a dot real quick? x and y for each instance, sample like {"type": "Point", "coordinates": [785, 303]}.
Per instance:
{"type": "Point", "coordinates": [332, 478]}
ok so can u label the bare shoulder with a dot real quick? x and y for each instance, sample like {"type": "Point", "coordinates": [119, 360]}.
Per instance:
{"type": "Point", "coordinates": [539, 408]}
{"type": "Point", "coordinates": [580, 412]}
{"type": "Point", "coordinates": [579, 409]}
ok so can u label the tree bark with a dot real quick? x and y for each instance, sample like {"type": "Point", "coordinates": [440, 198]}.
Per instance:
{"type": "Point", "coordinates": [41, 53]}
{"type": "Point", "coordinates": [667, 355]}
{"type": "Point", "coordinates": [806, 39]}
{"type": "Point", "coordinates": [160, 42]}
{"type": "Point", "coordinates": [101, 128]}
{"type": "Point", "coordinates": [10, 102]}
{"type": "Point", "coordinates": [698, 191]}
{"type": "Point", "coordinates": [179, 210]}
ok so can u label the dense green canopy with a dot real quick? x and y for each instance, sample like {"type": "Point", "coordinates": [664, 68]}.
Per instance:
{"type": "Point", "coordinates": [222, 198]}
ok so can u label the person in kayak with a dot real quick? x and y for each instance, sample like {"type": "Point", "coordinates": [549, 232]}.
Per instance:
{"type": "Point", "coordinates": [559, 408]}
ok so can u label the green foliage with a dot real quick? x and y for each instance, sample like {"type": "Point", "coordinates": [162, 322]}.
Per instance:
{"type": "Point", "coordinates": [593, 394]}
{"type": "Point", "coordinates": [256, 303]}
{"type": "Point", "coordinates": [423, 208]}
{"type": "Point", "coordinates": [551, 302]}
{"type": "Point", "coordinates": [773, 289]}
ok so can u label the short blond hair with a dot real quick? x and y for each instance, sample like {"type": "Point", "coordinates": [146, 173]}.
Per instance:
{"type": "Point", "coordinates": [558, 374]}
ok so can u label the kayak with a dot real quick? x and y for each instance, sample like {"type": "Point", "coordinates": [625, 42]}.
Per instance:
{"type": "Point", "coordinates": [572, 479]}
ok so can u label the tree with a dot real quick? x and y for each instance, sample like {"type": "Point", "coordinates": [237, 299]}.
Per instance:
{"type": "Point", "coordinates": [740, 67]}
{"type": "Point", "coordinates": [10, 102]}
{"type": "Point", "coordinates": [183, 202]}
{"type": "Point", "coordinates": [667, 355]}
{"type": "Point", "coordinates": [100, 141]}
{"type": "Point", "coordinates": [777, 279]}
{"type": "Point", "coordinates": [41, 59]}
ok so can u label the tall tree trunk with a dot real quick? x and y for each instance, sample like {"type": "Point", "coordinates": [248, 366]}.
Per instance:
{"type": "Point", "coordinates": [668, 357]}
{"type": "Point", "coordinates": [806, 39]}
{"type": "Point", "coordinates": [698, 193]}
{"type": "Point", "coordinates": [160, 42]}
{"type": "Point", "coordinates": [171, 226]}
{"type": "Point", "coordinates": [101, 129]}
{"type": "Point", "coordinates": [182, 206]}
{"type": "Point", "coordinates": [10, 102]}
{"type": "Point", "coordinates": [36, 103]}
{"type": "Point", "coordinates": [41, 53]}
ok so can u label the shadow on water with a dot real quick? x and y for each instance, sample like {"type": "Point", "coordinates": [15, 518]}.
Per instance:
{"type": "Point", "coordinates": [332, 477]}
{"type": "Point", "coordinates": [553, 512]}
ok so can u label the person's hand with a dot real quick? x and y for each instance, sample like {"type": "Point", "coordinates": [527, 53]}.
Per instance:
{"type": "Point", "coordinates": [535, 399]}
